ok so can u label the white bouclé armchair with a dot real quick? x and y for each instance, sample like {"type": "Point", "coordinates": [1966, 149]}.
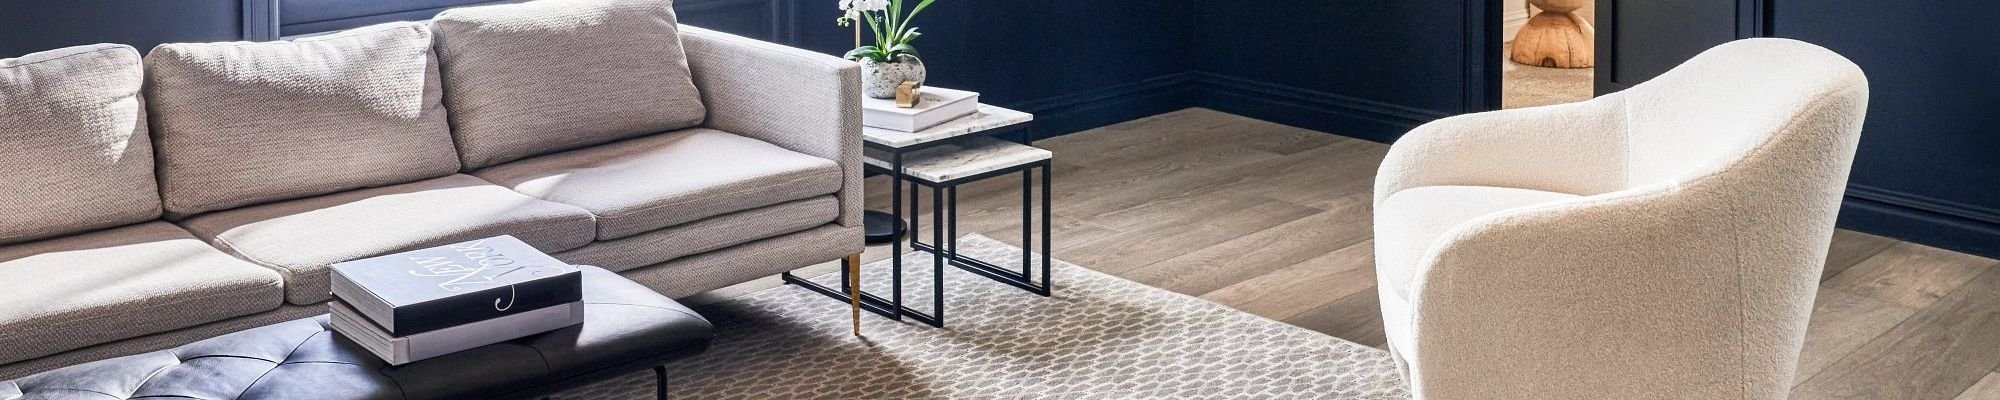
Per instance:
{"type": "Point", "coordinates": [1661, 242]}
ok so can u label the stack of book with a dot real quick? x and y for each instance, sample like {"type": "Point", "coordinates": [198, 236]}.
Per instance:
{"type": "Point", "coordinates": [426, 303]}
{"type": "Point", "coordinates": [935, 105]}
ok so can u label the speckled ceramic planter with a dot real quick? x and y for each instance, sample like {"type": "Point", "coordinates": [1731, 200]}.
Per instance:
{"type": "Point", "coordinates": [879, 79]}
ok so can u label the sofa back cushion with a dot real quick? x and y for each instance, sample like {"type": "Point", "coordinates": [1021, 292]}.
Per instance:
{"type": "Point", "coordinates": [76, 156]}
{"type": "Point", "coordinates": [244, 123]}
{"type": "Point", "coordinates": [544, 76]}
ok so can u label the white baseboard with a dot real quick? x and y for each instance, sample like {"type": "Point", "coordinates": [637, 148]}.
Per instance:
{"type": "Point", "coordinates": [1515, 18]}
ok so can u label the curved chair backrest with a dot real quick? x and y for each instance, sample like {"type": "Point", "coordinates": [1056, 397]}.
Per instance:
{"type": "Point", "coordinates": [1693, 279]}
{"type": "Point", "coordinates": [1709, 113]}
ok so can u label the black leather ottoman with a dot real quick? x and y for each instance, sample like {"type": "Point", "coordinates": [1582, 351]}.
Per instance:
{"type": "Point", "coordinates": [626, 328]}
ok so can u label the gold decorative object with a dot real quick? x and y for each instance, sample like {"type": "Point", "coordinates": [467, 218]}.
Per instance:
{"type": "Point", "coordinates": [907, 96]}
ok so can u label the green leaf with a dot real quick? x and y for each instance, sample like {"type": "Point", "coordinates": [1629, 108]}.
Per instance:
{"type": "Point", "coordinates": [913, 15]}
{"type": "Point", "coordinates": [875, 26]}
{"type": "Point", "coordinates": [895, 21]}
{"type": "Point", "coordinates": [907, 37]}
{"type": "Point", "coordinates": [903, 49]}
{"type": "Point", "coordinates": [859, 53]}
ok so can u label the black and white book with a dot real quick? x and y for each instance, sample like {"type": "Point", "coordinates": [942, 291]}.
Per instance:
{"type": "Point", "coordinates": [403, 350]}
{"type": "Point", "coordinates": [425, 290]}
{"type": "Point", "coordinates": [935, 105]}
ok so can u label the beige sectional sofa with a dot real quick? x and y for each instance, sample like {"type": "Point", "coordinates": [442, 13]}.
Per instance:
{"type": "Point", "coordinates": [204, 188]}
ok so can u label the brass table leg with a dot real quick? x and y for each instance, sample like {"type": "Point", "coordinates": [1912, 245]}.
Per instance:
{"type": "Point", "coordinates": [854, 289]}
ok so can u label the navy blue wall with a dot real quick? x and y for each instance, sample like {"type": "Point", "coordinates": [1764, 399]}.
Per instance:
{"type": "Point", "coordinates": [1929, 165]}
{"type": "Point", "coordinates": [1370, 70]}
{"type": "Point", "coordinates": [1075, 64]}
{"type": "Point", "coordinates": [28, 26]}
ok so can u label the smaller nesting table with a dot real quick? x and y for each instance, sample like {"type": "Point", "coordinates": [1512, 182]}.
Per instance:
{"type": "Point", "coordinates": [941, 158]}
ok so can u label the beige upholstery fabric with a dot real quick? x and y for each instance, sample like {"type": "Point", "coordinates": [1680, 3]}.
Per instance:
{"type": "Point", "coordinates": [77, 154]}
{"type": "Point", "coordinates": [98, 287]}
{"type": "Point", "coordinates": [1686, 268]}
{"type": "Point", "coordinates": [705, 235]}
{"type": "Point", "coordinates": [550, 75]}
{"type": "Point", "coordinates": [1426, 213]}
{"type": "Point", "coordinates": [245, 123]}
{"type": "Point", "coordinates": [680, 278]}
{"type": "Point", "coordinates": [687, 276]}
{"type": "Point", "coordinates": [664, 180]}
{"type": "Point", "coordinates": [300, 238]}
{"type": "Point", "coordinates": [797, 99]}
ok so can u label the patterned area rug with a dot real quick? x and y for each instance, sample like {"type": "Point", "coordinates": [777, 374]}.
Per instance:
{"type": "Point", "coordinates": [1099, 337]}
{"type": "Point", "coordinates": [1531, 86]}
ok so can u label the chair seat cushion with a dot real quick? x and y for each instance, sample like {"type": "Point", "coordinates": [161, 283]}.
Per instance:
{"type": "Point", "coordinates": [1408, 222]}
{"type": "Point", "coordinates": [648, 183]}
{"type": "Point", "coordinates": [302, 237]}
{"type": "Point", "coordinates": [99, 287]}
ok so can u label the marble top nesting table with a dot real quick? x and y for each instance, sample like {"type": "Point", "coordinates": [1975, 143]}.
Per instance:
{"type": "Point", "coordinates": [962, 159]}
{"type": "Point", "coordinates": [940, 158]}
{"type": "Point", "coordinates": [987, 121]}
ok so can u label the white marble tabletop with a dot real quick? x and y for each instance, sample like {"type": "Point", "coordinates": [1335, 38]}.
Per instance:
{"type": "Point", "coordinates": [987, 118]}
{"type": "Point", "coordinates": [973, 156]}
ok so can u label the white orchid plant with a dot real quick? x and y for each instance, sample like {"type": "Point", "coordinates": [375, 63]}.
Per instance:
{"type": "Point", "coordinates": [890, 25]}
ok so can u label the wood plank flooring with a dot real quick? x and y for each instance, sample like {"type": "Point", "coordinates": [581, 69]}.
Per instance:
{"type": "Point", "coordinates": [1274, 220]}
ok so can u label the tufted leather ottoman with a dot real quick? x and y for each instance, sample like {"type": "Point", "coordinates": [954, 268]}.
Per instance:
{"type": "Point", "coordinates": [626, 328]}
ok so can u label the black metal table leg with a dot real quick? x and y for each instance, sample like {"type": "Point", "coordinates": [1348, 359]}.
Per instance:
{"type": "Point", "coordinates": [1048, 214]}
{"type": "Point", "coordinates": [1025, 277]}
{"type": "Point", "coordinates": [660, 382]}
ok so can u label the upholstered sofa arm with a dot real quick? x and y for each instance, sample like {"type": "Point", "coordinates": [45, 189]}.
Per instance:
{"type": "Point", "coordinates": [797, 99]}
{"type": "Point", "coordinates": [1575, 148]}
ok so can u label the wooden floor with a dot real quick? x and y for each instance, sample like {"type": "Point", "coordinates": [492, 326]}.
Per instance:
{"type": "Point", "coordinates": [1274, 220]}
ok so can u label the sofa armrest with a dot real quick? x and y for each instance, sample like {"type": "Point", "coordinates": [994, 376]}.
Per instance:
{"type": "Point", "coordinates": [1575, 148]}
{"type": "Point", "coordinates": [797, 99]}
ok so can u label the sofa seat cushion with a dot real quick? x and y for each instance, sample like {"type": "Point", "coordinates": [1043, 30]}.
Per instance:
{"type": "Point", "coordinates": [708, 234]}
{"type": "Point", "coordinates": [300, 238]}
{"type": "Point", "coordinates": [77, 155]}
{"type": "Point", "coordinates": [1408, 222]}
{"type": "Point", "coordinates": [669, 179]}
{"type": "Point", "coordinates": [245, 123]}
{"type": "Point", "coordinates": [99, 287]}
{"type": "Point", "coordinates": [545, 76]}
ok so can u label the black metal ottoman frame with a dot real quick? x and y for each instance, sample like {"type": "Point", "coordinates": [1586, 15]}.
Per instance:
{"type": "Point", "coordinates": [944, 216]}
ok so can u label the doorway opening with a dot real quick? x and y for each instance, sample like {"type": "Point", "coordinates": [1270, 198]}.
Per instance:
{"type": "Point", "coordinates": [1548, 52]}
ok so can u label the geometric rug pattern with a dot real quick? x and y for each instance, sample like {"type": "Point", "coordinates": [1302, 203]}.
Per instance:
{"type": "Point", "coordinates": [1098, 337]}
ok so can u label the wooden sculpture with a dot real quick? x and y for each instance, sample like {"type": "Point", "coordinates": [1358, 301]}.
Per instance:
{"type": "Point", "coordinates": [1556, 37]}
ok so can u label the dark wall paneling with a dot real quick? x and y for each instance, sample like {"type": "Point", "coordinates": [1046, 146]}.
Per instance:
{"type": "Point", "coordinates": [1928, 169]}
{"type": "Point", "coordinates": [761, 19]}
{"type": "Point", "coordinates": [301, 17]}
{"type": "Point", "coordinates": [1366, 70]}
{"type": "Point", "coordinates": [28, 26]}
{"type": "Point", "coordinates": [1640, 39]}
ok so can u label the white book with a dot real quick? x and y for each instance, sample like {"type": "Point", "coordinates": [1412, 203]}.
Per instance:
{"type": "Point", "coordinates": [404, 350]}
{"type": "Point", "coordinates": [936, 105]}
